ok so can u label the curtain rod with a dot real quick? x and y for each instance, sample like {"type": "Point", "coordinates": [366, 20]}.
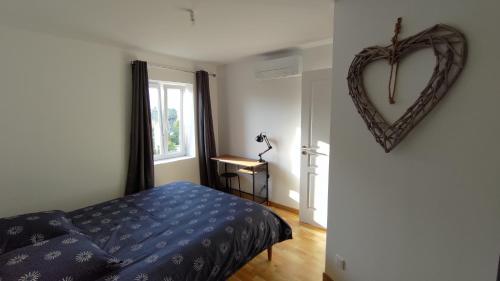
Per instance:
{"type": "Point", "coordinates": [170, 67]}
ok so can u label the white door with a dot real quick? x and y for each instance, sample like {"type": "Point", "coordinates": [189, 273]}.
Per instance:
{"type": "Point", "coordinates": [315, 146]}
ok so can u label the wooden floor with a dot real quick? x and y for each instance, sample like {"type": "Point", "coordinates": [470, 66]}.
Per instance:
{"type": "Point", "coordinates": [299, 259]}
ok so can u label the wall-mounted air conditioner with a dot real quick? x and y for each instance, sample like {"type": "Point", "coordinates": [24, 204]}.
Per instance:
{"type": "Point", "coordinates": [290, 66]}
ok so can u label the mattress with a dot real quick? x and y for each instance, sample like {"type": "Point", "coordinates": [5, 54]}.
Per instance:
{"type": "Point", "coordinates": [180, 231]}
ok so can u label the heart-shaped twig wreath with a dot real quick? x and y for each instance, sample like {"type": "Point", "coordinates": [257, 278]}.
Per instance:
{"type": "Point", "coordinates": [450, 49]}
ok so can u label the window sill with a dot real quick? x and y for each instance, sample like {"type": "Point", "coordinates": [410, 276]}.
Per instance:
{"type": "Point", "coordinates": [171, 160]}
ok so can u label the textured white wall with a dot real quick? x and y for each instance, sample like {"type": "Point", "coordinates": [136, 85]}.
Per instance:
{"type": "Point", "coordinates": [429, 210]}
{"type": "Point", "coordinates": [249, 106]}
{"type": "Point", "coordinates": [64, 121]}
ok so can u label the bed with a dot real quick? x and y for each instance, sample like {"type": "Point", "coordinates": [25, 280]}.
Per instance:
{"type": "Point", "coordinates": [179, 231]}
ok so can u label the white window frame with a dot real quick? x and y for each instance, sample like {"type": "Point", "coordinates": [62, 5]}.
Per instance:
{"type": "Point", "coordinates": [163, 87]}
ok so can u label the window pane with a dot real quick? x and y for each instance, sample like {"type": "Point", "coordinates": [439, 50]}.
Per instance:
{"type": "Point", "coordinates": [154, 103]}
{"type": "Point", "coordinates": [173, 118]}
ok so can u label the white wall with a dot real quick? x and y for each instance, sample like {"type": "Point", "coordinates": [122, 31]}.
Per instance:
{"type": "Point", "coordinates": [64, 121]}
{"type": "Point", "coordinates": [249, 106]}
{"type": "Point", "coordinates": [429, 210]}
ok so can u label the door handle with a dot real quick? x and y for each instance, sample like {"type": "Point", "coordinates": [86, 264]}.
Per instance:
{"type": "Point", "coordinates": [307, 152]}
{"type": "Point", "coordinates": [311, 151]}
{"type": "Point", "coordinates": [309, 147]}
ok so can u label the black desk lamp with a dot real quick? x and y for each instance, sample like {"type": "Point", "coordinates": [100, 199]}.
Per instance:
{"type": "Point", "coordinates": [260, 138]}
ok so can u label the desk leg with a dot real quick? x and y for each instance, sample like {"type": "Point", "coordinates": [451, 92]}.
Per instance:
{"type": "Point", "coordinates": [267, 184]}
{"type": "Point", "coordinates": [253, 184]}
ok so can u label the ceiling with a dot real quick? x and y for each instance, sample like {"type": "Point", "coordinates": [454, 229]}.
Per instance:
{"type": "Point", "coordinates": [225, 30]}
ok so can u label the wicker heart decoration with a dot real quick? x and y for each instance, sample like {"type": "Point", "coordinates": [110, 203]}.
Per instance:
{"type": "Point", "coordinates": [450, 49]}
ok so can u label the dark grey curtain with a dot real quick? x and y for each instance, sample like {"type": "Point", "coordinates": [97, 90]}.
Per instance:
{"type": "Point", "coordinates": [140, 166]}
{"type": "Point", "coordinates": [206, 138]}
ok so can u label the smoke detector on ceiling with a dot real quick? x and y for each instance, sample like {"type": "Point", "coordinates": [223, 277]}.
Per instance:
{"type": "Point", "coordinates": [192, 15]}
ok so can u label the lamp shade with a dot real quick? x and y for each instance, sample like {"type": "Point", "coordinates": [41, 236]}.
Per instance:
{"type": "Point", "coordinates": [259, 137]}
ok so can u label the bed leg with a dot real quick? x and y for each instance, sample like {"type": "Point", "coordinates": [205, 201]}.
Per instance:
{"type": "Point", "coordinates": [269, 253]}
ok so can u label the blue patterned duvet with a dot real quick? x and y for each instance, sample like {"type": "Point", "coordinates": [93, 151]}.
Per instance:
{"type": "Point", "coordinates": [180, 231]}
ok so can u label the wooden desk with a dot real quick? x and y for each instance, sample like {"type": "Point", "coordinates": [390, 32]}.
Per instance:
{"type": "Point", "coordinates": [250, 167]}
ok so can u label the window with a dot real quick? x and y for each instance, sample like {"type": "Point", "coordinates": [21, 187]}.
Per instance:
{"type": "Point", "coordinates": [172, 118]}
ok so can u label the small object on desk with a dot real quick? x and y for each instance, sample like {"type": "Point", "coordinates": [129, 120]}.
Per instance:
{"type": "Point", "coordinates": [260, 138]}
{"type": "Point", "coordinates": [251, 167]}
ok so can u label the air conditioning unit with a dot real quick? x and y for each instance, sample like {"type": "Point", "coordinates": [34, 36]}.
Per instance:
{"type": "Point", "coordinates": [290, 66]}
